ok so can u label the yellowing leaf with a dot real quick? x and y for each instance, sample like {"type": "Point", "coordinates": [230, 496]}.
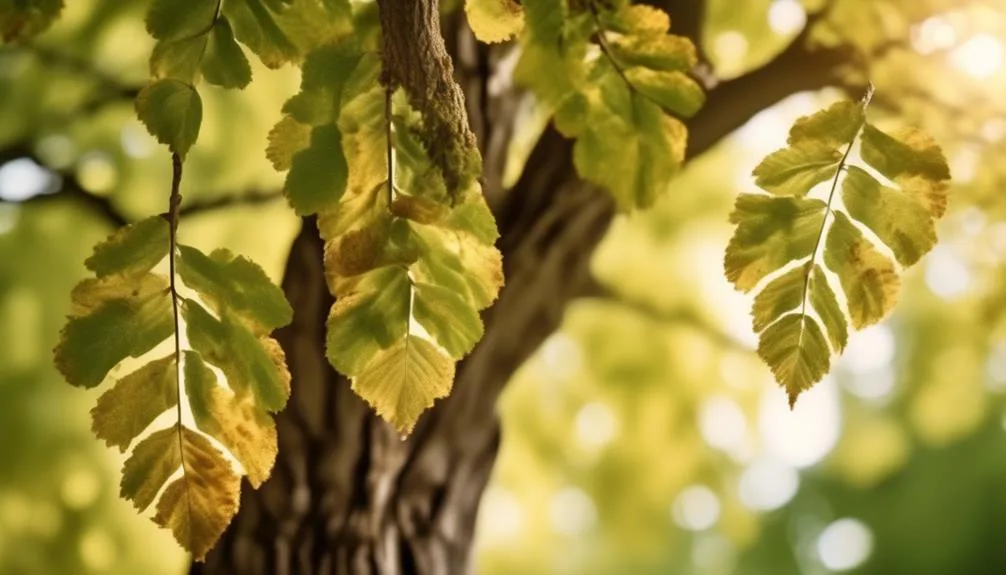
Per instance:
{"type": "Point", "coordinates": [797, 312]}
{"type": "Point", "coordinates": [770, 232]}
{"type": "Point", "coordinates": [794, 171]}
{"type": "Point", "coordinates": [672, 90]}
{"type": "Point", "coordinates": [287, 138]}
{"type": "Point", "coordinates": [404, 380]}
{"type": "Point", "coordinates": [131, 250]}
{"type": "Point", "coordinates": [128, 325]}
{"type": "Point", "coordinates": [913, 160]}
{"type": "Point", "coordinates": [240, 425]}
{"type": "Point", "coordinates": [900, 220]}
{"type": "Point", "coordinates": [494, 20]}
{"type": "Point", "coordinates": [823, 299]}
{"type": "Point", "coordinates": [371, 317]}
{"type": "Point", "coordinates": [154, 460]}
{"type": "Point", "coordinates": [125, 410]}
{"type": "Point", "coordinates": [172, 112]}
{"type": "Point", "coordinates": [784, 293]}
{"type": "Point", "coordinates": [796, 351]}
{"type": "Point", "coordinates": [253, 364]}
{"type": "Point", "coordinates": [198, 506]}
{"type": "Point", "coordinates": [655, 51]}
{"type": "Point", "coordinates": [834, 126]}
{"type": "Point", "coordinates": [868, 278]}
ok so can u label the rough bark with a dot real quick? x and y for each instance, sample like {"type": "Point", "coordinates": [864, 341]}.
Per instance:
{"type": "Point", "coordinates": [347, 495]}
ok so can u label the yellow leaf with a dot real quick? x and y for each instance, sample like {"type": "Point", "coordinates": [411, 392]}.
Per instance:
{"type": "Point", "coordinates": [404, 380]}
{"type": "Point", "coordinates": [124, 411]}
{"type": "Point", "coordinates": [868, 278]}
{"type": "Point", "coordinates": [198, 506]}
{"type": "Point", "coordinates": [494, 20]}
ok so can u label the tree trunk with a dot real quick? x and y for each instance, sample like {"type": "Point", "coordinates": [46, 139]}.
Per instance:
{"type": "Point", "coordinates": [347, 495]}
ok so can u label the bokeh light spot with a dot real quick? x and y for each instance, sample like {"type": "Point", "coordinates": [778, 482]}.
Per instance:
{"type": "Point", "coordinates": [845, 544]}
{"type": "Point", "coordinates": [786, 17]}
{"type": "Point", "coordinates": [23, 179]}
{"type": "Point", "coordinates": [802, 436]}
{"type": "Point", "coordinates": [596, 425]}
{"type": "Point", "coordinates": [767, 485]}
{"type": "Point", "coordinates": [572, 512]}
{"type": "Point", "coordinates": [696, 508]}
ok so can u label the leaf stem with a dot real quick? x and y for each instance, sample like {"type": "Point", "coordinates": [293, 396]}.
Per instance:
{"type": "Point", "coordinates": [390, 149]}
{"type": "Point", "coordinates": [174, 209]}
{"type": "Point", "coordinates": [828, 210]}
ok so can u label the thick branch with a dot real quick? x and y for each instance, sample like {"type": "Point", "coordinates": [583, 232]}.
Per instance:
{"type": "Point", "coordinates": [416, 59]}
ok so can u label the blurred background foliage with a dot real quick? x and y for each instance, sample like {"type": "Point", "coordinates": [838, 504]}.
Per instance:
{"type": "Point", "coordinates": [645, 436]}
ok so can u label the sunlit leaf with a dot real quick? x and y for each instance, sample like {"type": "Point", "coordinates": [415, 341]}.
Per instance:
{"type": "Point", "coordinates": [911, 159]}
{"type": "Point", "coordinates": [796, 351]}
{"type": "Point", "coordinates": [125, 410]}
{"type": "Point", "coordinates": [198, 506]}
{"type": "Point", "coordinates": [494, 20]}
{"type": "Point", "coordinates": [868, 278]}
{"type": "Point", "coordinates": [402, 381]}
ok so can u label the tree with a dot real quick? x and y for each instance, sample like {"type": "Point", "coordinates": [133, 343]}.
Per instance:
{"type": "Point", "coordinates": [347, 494]}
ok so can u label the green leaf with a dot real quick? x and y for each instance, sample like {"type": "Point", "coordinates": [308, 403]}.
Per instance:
{"type": "Point", "coordinates": [178, 59]}
{"type": "Point", "coordinates": [672, 90]}
{"type": "Point", "coordinates": [318, 174]}
{"type": "Point", "coordinates": [900, 220]}
{"type": "Point", "coordinates": [404, 380]}
{"type": "Point", "coordinates": [132, 250]}
{"type": "Point", "coordinates": [252, 364]}
{"type": "Point", "coordinates": [224, 63]}
{"type": "Point", "coordinates": [770, 233]}
{"type": "Point", "coordinates": [794, 171]}
{"type": "Point", "coordinates": [237, 423]}
{"type": "Point", "coordinates": [255, 26]}
{"type": "Point", "coordinates": [172, 112]}
{"type": "Point", "coordinates": [545, 19]}
{"type": "Point", "coordinates": [199, 506]}
{"type": "Point", "coordinates": [326, 73]}
{"type": "Point", "coordinates": [868, 278]}
{"type": "Point", "coordinates": [912, 160]}
{"type": "Point", "coordinates": [371, 317]}
{"type": "Point", "coordinates": [236, 286]}
{"type": "Point", "coordinates": [121, 318]}
{"type": "Point", "coordinates": [451, 320]}
{"type": "Point", "coordinates": [797, 353]}
{"type": "Point", "coordinates": [23, 19]}
{"type": "Point", "coordinates": [125, 410]}
{"type": "Point", "coordinates": [494, 20]}
{"type": "Point", "coordinates": [177, 19]}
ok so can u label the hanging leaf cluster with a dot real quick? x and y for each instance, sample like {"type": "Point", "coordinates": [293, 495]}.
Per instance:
{"type": "Point", "coordinates": [618, 84]}
{"type": "Point", "coordinates": [410, 262]}
{"type": "Point", "coordinates": [821, 264]}
{"type": "Point", "coordinates": [201, 39]}
{"type": "Point", "coordinates": [186, 405]}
